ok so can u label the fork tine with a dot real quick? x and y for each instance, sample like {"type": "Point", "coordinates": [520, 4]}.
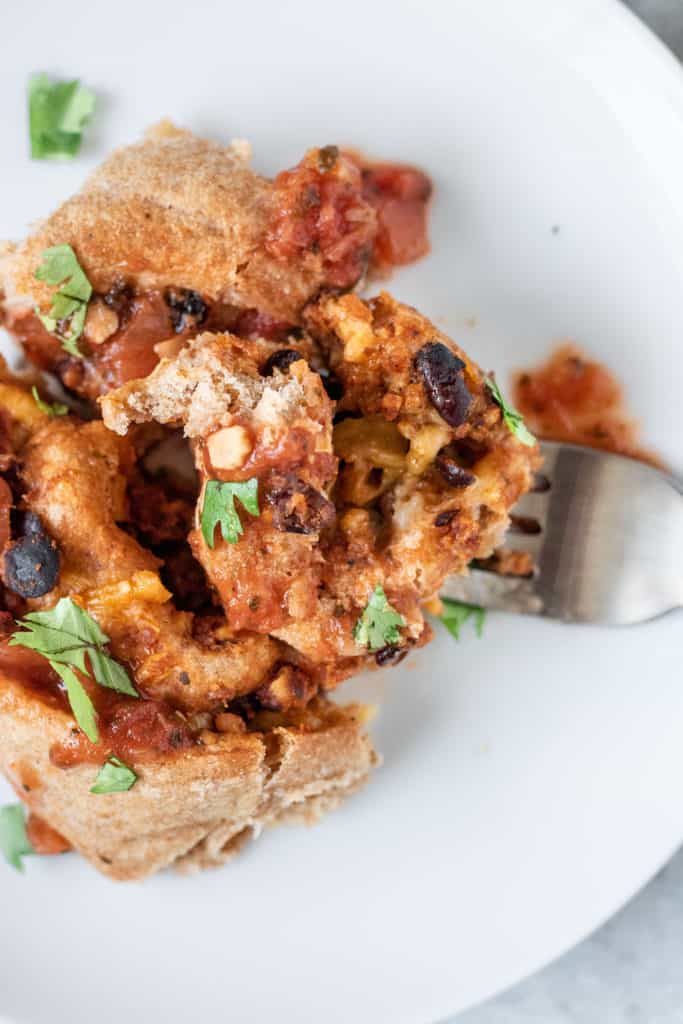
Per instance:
{"type": "Point", "coordinates": [535, 506]}
{"type": "Point", "coordinates": [610, 547]}
{"type": "Point", "coordinates": [532, 543]}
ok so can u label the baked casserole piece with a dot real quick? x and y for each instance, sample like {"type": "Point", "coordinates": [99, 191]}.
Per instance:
{"type": "Point", "coordinates": [261, 482]}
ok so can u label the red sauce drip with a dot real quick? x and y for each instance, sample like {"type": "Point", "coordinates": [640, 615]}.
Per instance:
{"type": "Point", "coordinates": [400, 196]}
{"type": "Point", "coordinates": [321, 209]}
{"type": "Point", "coordinates": [41, 347]}
{"type": "Point", "coordinates": [576, 400]}
{"type": "Point", "coordinates": [43, 838]}
{"type": "Point", "coordinates": [129, 353]}
{"type": "Point", "coordinates": [132, 730]}
{"type": "Point", "coordinates": [251, 323]}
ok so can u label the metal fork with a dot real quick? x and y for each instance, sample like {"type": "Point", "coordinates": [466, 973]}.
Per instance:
{"type": "Point", "coordinates": [607, 543]}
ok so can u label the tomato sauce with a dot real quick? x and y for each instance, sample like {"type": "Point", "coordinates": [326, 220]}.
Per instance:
{"type": "Point", "coordinates": [132, 730]}
{"type": "Point", "coordinates": [251, 323]}
{"type": "Point", "coordinates": [321, 209]}
{"type": "Point", "coordinates": [400, 196]}
{"type": "Point", "coordinates": [574, 399]}
{"type": "Point", "coordinates": [355, 213]}
{"type": "Point", "coordinates": [129, 353]}
{"type": "Point", "coordinates": [43, 838]}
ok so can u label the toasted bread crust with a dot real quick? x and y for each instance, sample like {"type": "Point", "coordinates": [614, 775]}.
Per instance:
{"type": "Point", "coordinates": [194, 808]}
{"type": "Point", "coordinates": [173, 210]}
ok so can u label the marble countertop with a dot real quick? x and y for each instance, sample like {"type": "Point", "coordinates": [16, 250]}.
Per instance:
{"type": "Point", "coordinates": [631, 970]}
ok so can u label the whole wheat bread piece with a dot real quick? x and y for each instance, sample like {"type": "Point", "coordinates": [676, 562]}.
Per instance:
{"type": "Point", "coordinates": [192, 809]}
{"type": "Point", "coordinates": [172, 210]}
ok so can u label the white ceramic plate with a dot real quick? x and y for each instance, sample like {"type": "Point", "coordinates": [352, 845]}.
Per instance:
{"type": "Point", "coordinates": [532, 780]}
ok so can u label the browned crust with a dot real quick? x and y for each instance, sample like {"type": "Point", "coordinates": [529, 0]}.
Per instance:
{"type": "Point", "coordinates": [172, 210]}
{"type": "Point", "coordinates": [193, 809]}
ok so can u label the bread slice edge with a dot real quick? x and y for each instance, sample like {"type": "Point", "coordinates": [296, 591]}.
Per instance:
{"type": "Point", "coordinates": [194, 808]}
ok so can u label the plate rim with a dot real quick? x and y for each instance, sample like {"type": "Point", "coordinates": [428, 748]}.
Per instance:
{"type": "Point", "coordinates": [660, 60]}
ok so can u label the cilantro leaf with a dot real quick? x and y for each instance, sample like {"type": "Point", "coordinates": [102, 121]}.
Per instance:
{"type": "Point", "coordinates": [114, 777]}
{"type": "Point", "coordinates": [49, 408]}
{"type": "Point", "coordinates": [79, 701]}
{"type": "Point", "coordinates": [60, 266]}
{"type": "Point", "coordinates": [70, 301]}
{"type": "Point", "coordinates": [14, 843]}
{"type": "Point", "coordinates": [51, 643]}
{"type": "Point", "coordinates": [58, 111]}
{"type": "Point", "coordinates": [513, 419]}
{"type": "Point", "coordinates": [379, 624]}
{"type": "Point", "coordinates": [64, 306]}
{"type": "Point", "coordinates": [456, 613]}
{"type": "Point", "coordinates": [69, 619]}
{"type": "Point", "coordinates": [219, 507]}
{"type": "Point", "coordinates": [109, 673]}
{"type": "Point", "coordinates": [66, 635]}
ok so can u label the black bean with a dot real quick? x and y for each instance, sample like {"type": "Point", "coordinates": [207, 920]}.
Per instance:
{"type": "Point", "coordinates": [442, 375]}
{"type": "Point", "coordinates": [452, 473]}
{"type": "Point", "coordinates": [280, 360]}
{"type": "Point", "coordinates": [390, 655]}
{"type": "Point", "coordinates": [444, 518]}
{"type": "Point", "coordinates": [31, 564]}
{"type": "Point", "coordinates": [298, 507]}
{"type": "Point", "coordinates": [119, 298]}
{"type": "Point", "coordinates": [187, 308]}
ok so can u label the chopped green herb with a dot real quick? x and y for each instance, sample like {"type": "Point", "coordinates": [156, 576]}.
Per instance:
{"type": "Point", "coordinates": [513, 419]}
{"type": "Point", "coordinates": [64, 635]}
{"type": "Point", "coordinates": [14, 843]}
{"type": "Point", "coordinates": [114, 777]}
{"type": "Point", "coordinates": [66, 318]}
{"type": "Point", "coordinates": [57, 113]}
{"type": "Point", "coordinates": [219, 507]}
{"type": "Point", "coordinates": [456, 613]}
{"type": "Point", "coordinates": [379, 625]}
{"type": "Point", "coordinates": [49, 408]}
{"type": "Point", "coordinates": [79, 701]}
{"type": "Point", "coordinates": [60, 266]}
